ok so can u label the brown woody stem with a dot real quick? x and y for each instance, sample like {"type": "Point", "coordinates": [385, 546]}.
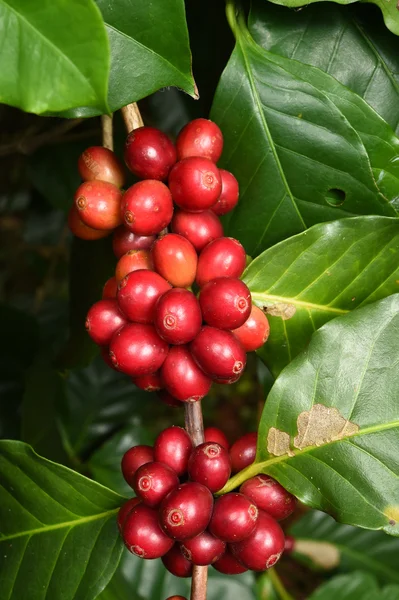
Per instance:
{"type": "Point", "coordinates": [106, 126]}
{"type": "Point", "coordinates": [132, 117]}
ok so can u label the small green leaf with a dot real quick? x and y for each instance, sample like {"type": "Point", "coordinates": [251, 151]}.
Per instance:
{"type": "Point", "coordinates": [59, 537]}
{"type": "Point", "coordinates": [356, 586]}
{"type": "Point", "coordinates": [55, 58]}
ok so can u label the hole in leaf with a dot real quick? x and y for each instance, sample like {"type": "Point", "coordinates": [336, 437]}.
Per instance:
{"type": "Point", "coordinates": [335, 197]}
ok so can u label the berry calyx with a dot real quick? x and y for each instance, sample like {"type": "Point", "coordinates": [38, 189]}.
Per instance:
{"type": "Point", "coordinates": [182, 377]}
{"type": "Point", "coordinates": [229, 194]}
{"type": "Point", "coordinates": [200, 137]}
{"type": "Point", "coordinates": [173, 447]}
{"type": "Point", "coordinates": [110, 289]}
{"type": "Point", "coordinates": [219, 354]}
{"type": "Point", "coordinates": [254, 332]}
{"type": "Point", "coordinates": [125, 510]}
{"type": "Point", "coordinates": [243, 452]}
{"type": "Point", "coordinates": [83, 231]}
{"type": "Point", "coordinates": [214, 434]}
{"type": "Point", "coordinates": [195, 184]}
{"type": "Point", "coordinates": [147, 207]}
{"type": "Point", "coordinates": [199, 228]}
{"type": "Point", "coordinates": [270, 496]}
{"type": "Point", "coordinates": [149, 153]}
{"type": "Point", "coordinates": [103, 320]}
{"type": "Point", "coordinates": [178, 316]}
{"type": "Point", "coordinates": [133, 260]}
{"type": "Point", "coordinates": [228, 564]}
{"type": "Point", "coordinates": [137, 349]}
{"type": "Point", "coordinates": [148, 383]}
{"type": "Point", "coordinates": [133, 459]}
{"type": "Point", "coordinates": [177, 564]}
{"type": "Point", "coordinates": [186, 511]}
{"type": "Point", "coordinates": [98, 204]}
{"type": "Point", "coordinates": [99, 163]}
{"type": "Point", "coordinates": [124, 240]}
{"type": "Point", "coordinates": [234, 517]}
{"type": "Point", "coordinates": [142, 534]}
{"type": "Point", "coordinates": [138, 294]}
{"type": "Point", "coordinates": [203, 549]}
{"type": "Point", "coordinates": [153, 481]}
{"type": "Point", "coordinates": [209, 464]}
{"type": "Point", "coordinates": [224, 257]}
{"type": "Point", "coordinates": [175, 259]}
{"type": "Point", "coordinates": [225, 302]}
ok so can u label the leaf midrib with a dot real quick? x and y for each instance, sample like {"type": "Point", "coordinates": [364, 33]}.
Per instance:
{"type": "Point", "coordinates": [263, 297]}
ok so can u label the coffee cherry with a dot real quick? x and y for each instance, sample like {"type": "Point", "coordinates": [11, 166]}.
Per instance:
{"type": "Point", "coordinates": [143, 536]}
{"type": "Point", "coordinates": [133, 459]}
{"type": "Point", "coordinates": [104, 351]}
{"type": "Point", "coordinates": [153, 481]}
{"type": "Point", "coordinates": [124, 240]}
{"type": "Point", "coordinates": [213, 434]}
{"type": "Point", "coordinates": [99, 163]}
{"type": "Point", "coordinates": [229, 195]}
{"type": "Point", "coordinates": [186, 511]}
{"type": "Point", "coordinates": [110, 289]}
{"type": "Point", "coordinates": [289, 544]}
{"type": "Point", "coordinates": [225, 302]}
{"type": "Point", "coordinates": [149, 153]}
{"type": "Point", "coordinates": [200, 137]}
{"type": "Point", "coordinates": [168, 399]}
{"type": "Point", "coordinates": [229, 565]}
{"type": "Point", "coordinates": [133, 260]}
{"type": "Point", "coordinates": [148, 383]}
{"type": "Point", "coordinates": [178, 316]}
{"type": "Point", "coordinates": [224, 257]}
{"type": "Point", "coordinates": [81, 230]}
{"type": "Point", "coordinates": [243, 452]}
{"type": "Point", "coordinates": [173, 447]}
{"type": "Point", "coordinates": [99, 204]}
{"type": "Point", "coordinates": [182, 377]}
{"type": "Point", "coordinates": [254, 332]}
{"type": "Point", "coordinates": [125, 510]}
{"type": "Point", "coordinates": [209, 464]}
{"type": "Point", "coordinates": [198, 228]}
{"type": "Point", "coordinates": [234, 517]}
{"type": "Point", "coordinates": [137, 349]}
{"type": "Point", "coordinates": [195, 184]}
{"type": "Point", "coordinates": [177, 564]}
{"type": "Point", "coordinates": [147, 207]}
{"type": "Point", "coordinates": [203, 549]}
{"type": "Point", "coordinates": [262, 549]}
{"type": "Point", "coordinates": [138, 294]}
{"type": "Point", "coordinates": [270, 496]}
{"type": "Point", "coordinates": [175, 259]}
{"type": "Point", "coordinates": [176, 598]}
{"type": "Point", "coordinates": [218, 353]}
{"type": "Point", "coordinates": [103, 320]}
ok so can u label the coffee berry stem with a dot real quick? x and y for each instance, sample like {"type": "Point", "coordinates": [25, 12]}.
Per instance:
{"type": "Point", "coordinates": [132, 117]}
{"type": "Point", "coordinates": [107, 131]}
{"type": "Point", "coordinates": [278, 585]}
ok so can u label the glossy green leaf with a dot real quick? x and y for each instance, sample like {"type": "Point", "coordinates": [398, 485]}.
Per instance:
{"type": "Point", "coordinates": [320, 274]}
{"type": "Point", "coordinates": [356, 548]}
{"type": "Point", "coordinates": [356, 586]}
{"type": "Point", "coordinates": [55, 58]}
{"type": "Point", "coordinates": [329, 431]}
{"type": "Point", "coordinates": [59, 537]}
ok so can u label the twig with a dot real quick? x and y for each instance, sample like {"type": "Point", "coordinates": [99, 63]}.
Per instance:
{"type": "Point", "coordinates": [195, 428]}
{"type": "Point", "coordinates": [106, 126]}
{"type": "Point", "coordinates": [278, 585]}
{"type": "Point", "coordinates": [27, 142]}
{"type": "Point", "coordinates": [132, 117]}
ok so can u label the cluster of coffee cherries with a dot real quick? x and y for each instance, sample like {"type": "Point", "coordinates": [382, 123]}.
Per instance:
{"type": "Point", "coordinates": [176, 316]}
{"type": "Point", "coordinates": [175, 515]}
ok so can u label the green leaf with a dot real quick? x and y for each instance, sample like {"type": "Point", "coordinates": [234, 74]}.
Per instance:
{"type": "Point", "coordinates": [297, 158]}
{"type": "Point", "coordinates": [320, 274]}
{"type": "Point", "coordinates": [55, 58]}
{"type": "Point", "coordinates": [59, 537]}
{"type": "Point", "coordinates": [329, 431]}
{"type": "Point", "coordinates": [356, 586]}
{"type": "Point", "coordinates": [355, 548]}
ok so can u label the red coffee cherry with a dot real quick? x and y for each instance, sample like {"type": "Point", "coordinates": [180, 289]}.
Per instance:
{"type": "Point", "coordinates": [125, 510]}
{"type": "Point", "coordinates": [133, 459]}
{"type": "Point", "coordinates": [203, 549]}
{"type": "Point", "coordinates": [234, 517]}
{"type": "Point", "coordinates": [173, 447]}
{"type": "Point", "coordinates": [262, 549]}
{"type": "Point", "coordinates": [243, 452]}
{"type": "Point", "coordinates": [186, 511]}
{"type": "Point", "coordinates": [270, 496]}
{"type": "Point", "coordinates": [81, 230]}
{"type": "Point", "coordinates": [219, 354]}
{"type": "Point", "coordinates": [138, 294]}
{"type": "Point", "coordinates": [137, 349]}
{"type": "Point", "coordinates": [225, 302]}
{"type": "Point", "coordinates": [255, 331]}
{"type": "Point", "coordinates": [168, 399]}
{"type": "Point", "coordinates": [143, 536]}
{"type": "Point", "coordinates": [209, 464]}
{"type": "Point", "coordinates": [289, 544]}
{"type": "Point", "coordinates": [104, 351]}
{"type": "Point", "coordinates": [99, 163]}
{"type": "Point", "coordinates": [149, 153]}
{"type": "Point", "coordinates": [175, 259]}
{"type": "Point", "coordinates": [99, 204]}
{"type": "Point", "coordinates": [224, 257]}
{"type": "Point", "coordinates": [110, 289]}
{"type": "Point", "coordinates": [103, 320]}
{"type": "Point", "coordinates": [200, 138]}
{"type": "Point", "coordinates": [213, 434]}
{"type": "Point", "coordinates": [133, 260]}
{"type": "Point", "coordinates": [124, 240]}
{"type": "Point", "coordinates": [153, 481]}
{"type": "Point", "coordinates": [176, 598]}
{"type": "Point", "coordinates": [148, 383]}
{"type": "Point", "coordinates": [178, 316]}
{"type": "Point", "coordinates": [182, 377]}
{"type": "Point", "coordinates": [195, 184]}
{"type": "Point", "coordinates": [147, 207]}
{"type": "Point", "coordinates": [198, 228]}
{"type": "Point", "coordinates": [177, 564]}
{"type": "Point", "coordinates": [229, 196]}
{"type": "Point", "coordinates": [229, 565]}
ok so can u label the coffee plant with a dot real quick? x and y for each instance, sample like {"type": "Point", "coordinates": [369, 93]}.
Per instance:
{"type": "Point", "coordinates": [199, 303]}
